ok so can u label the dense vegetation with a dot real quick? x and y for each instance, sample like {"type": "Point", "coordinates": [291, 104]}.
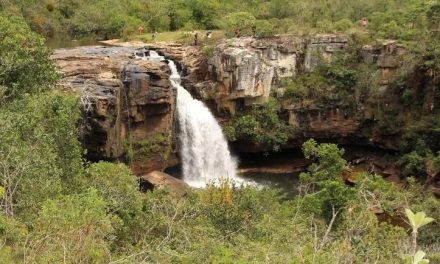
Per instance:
{"type": "Point", "coordinates": [113, 18]}
{"type": "Point", "coordinates": [57, 207]}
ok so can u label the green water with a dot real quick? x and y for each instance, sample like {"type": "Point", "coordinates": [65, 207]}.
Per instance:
{"type": "Point", "coordinates": [59, 42]}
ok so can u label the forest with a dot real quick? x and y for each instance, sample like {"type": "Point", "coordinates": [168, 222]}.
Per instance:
{"type": "Point", "coordinates": [111, 18]}
{"type": "Point", "coordinates": [59, 207]}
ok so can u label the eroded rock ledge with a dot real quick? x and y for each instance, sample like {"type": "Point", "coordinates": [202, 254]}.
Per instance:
{"type": "Point", "coordinates": [128, 105]}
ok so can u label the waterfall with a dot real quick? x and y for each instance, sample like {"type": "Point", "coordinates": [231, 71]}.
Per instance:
{"type": "Point", "coordinates": [203, 147]}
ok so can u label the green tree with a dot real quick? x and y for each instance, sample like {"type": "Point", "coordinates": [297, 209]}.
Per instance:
{"type": "Point", "coordinates": [73, 228]}
{"type": "Point", "coordinates": [330, 162]}
{"type": "Point", "coordinates": [25, 66]}
{"type": "Point", "coordinates": [243, 21]}
{"type": "Point", "coordinates": [120, 189]}
{"type": "Point", "coordinates": [39, 151]}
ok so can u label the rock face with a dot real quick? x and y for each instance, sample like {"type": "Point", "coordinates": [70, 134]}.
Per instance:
{"type": "Point", "coordinates": [247, 70]}
{"type": "Point", "coordinates": [387, 58]}
{"type": "Point", "coordinates": [160, 180]}
{"type": "Point", "coordinates": [322, 48]}
{"type": "Point", "coordinates": [128, 105]}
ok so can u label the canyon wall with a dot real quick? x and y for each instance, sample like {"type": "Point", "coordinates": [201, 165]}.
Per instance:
{"type": "Point", "coordinates": [247, 71]}
{"type": "Point", "coordinates": [129, 105]}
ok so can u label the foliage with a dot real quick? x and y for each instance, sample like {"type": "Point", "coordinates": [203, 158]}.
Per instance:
{"type": "Point", "coordinates": [418, 258]}
{"type": "Point", "coordinates": [55, 208]}
{"type": "Point", "coordinates": [261, 125]}
{"type": "Point", "coordinates": [264, 28]}
{"type": "Point", "coordinates": [330, 162]}
{"type": "Point", "coordinates": [25, 66]}
{"type": "Point", "coordinates": [152, 145]}
{"type": "Point", "coordinates": [39, 150]}
{"type": "Point", "coordinates": [208, 51]}
{"type": "Point", "coordinates": [342, 77]}
{"type": "Point", "coordinates": [242, 21]}
{"type": "Point", "coordinates": [72, 228]}
{"type": "Point", "coordinates": [416, 221]}
{"type": "Point", "coordinates": [412, 163]}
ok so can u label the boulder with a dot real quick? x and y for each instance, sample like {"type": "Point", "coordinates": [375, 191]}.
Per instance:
{"type": "Point", "coordinates": [172, 185]}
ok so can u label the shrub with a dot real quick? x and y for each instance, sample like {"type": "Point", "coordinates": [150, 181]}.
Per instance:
{"type": "Point", "coordinates": [343, 77]}
{"type": "Point", "coordinates": [343, 24]}
{"type": "Point", "coordinates": [243, 21]}
{"type": "Point", "coordinates": [25, 64]}
{"type": "Point", "coordinates": [264, 28]}
{"type": "Point", "coordinates": [262, 126]}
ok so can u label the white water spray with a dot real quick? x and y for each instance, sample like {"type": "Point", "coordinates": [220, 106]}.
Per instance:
{"type": "Point", "coordinates": [203, 148]}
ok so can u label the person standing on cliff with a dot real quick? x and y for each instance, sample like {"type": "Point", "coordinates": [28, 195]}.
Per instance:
{"type": "Point", "coordinates": [237, 32]}
{"type": "Point", "coordinates": [196, 38]}
{"type": "Point", "coordinates": [363, 22]}
{"type": "Point", "coordinates": [141, 30]}
{"type": "Point", "coordinates": [154, 36]}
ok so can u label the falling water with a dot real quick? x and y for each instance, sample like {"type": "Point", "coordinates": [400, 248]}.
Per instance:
{"type": "Point", "coordinates": [203, 147]}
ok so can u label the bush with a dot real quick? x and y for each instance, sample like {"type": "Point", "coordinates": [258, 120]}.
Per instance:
{"type": "Point", "coordinates": [262, 126]}
{"type": "Point", "coordinates": [343, 24]}
{"type": "Point", "coordinates": [264, 28]}
{"type": "Point", "coordinates": [72, 228]}
{"type": "Point", "coordinates": [343, 77]}
{"type": "Point", "coordinates": [25, 64]}
{"type": "Point", "coordinates": [390, 30]}
{"type": "Point", "coordinates": [243, 21]}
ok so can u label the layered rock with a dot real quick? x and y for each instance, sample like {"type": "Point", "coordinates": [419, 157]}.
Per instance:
{"type": "Point", "coordinates": [160, 180]}
{"type": "Point", "coordinates": [128, 105]}
{"type": "Point", "coordinates": [247, 70]}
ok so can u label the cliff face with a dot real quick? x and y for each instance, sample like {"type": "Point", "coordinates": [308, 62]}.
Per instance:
{"type": "Point", "coordinates": [128, 105]}
{"type": "Point", "coordinates": [248, 71]}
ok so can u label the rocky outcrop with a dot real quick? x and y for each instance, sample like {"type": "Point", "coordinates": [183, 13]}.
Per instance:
{"type": "Point", "coordinates": [247, 70]}
{"type": "Point", "coordinates": [323, 47]}
{"type": "Point", "coordinates": [160, 180]}
{"type": "Point", "coordinates": [128, 105]}
{"type": "Point", "coordinates": [387, 57]}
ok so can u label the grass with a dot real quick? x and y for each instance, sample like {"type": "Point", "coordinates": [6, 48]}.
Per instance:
{"type": "Point", "coordinates": [183, 37]}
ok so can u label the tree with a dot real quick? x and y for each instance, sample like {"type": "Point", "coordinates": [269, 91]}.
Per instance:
{"type": "Point", "coordinates": [39, 151]}
{"type": "Point", "coordinates": [243, 21]}
{"type": "Point", "coordinates": [25, 66]}
{"type": "Point", "coordinates": [120, 189]}
{"type": "Point", "coordinates": [72, 229]}
{"type": "Point", "coordinates": [330, 162]}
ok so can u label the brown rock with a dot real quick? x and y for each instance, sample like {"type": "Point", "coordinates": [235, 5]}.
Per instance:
{"type": "Point", "coordinates": [174, 186]}
{"type": "Point", "coordinates": [125, 101]}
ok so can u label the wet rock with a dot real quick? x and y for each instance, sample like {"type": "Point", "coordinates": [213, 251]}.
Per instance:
{"type": "Point", "coordinates": [172, 185]}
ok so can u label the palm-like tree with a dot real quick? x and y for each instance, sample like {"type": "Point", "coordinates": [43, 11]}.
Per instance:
{"type": "Point", "coordinates": [418, 258]}
{"type": "Point", "coordinates": [416, 221]}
